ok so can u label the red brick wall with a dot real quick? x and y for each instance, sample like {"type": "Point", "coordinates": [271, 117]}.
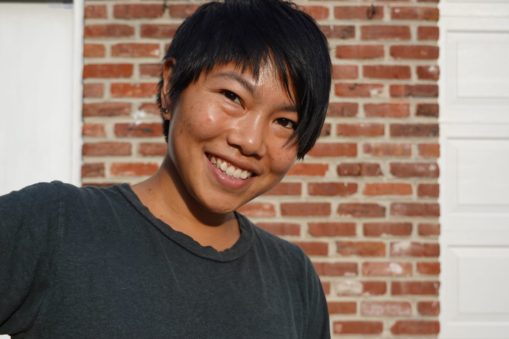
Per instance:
{"type": "Point", "coordinates": [363, 204]}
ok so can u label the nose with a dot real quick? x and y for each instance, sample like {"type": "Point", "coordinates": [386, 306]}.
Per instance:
{"type": "Point", "coordinates": [248, 134]}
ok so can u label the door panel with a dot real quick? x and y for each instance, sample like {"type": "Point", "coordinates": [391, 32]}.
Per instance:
{"type": "Point", "coordinates": [474, 170]}
{"type": "Point", "coordinates": [40, 50]}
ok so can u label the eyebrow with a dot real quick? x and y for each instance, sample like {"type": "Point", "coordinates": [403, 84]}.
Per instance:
{"type": "Point", "coordinates": [250, 88]}
{"type": "Point", "coordinates": [234, 76]}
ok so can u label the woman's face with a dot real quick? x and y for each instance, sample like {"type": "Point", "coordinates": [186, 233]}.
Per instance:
{"type": "Point", "coordinates": [230, 137]}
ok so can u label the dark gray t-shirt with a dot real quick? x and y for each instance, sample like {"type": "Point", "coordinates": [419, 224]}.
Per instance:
{"type": "Point", "coordinates": [95, 263]}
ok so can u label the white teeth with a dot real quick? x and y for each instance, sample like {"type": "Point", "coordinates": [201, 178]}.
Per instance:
{"type": "Point", "coordinates": [229, 169]}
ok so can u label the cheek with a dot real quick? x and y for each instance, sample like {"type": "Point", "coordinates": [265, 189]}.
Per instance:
{"type": "Point", "coordinates": [282, 159]}
{"type": "Point", "coordinates": [203, 121]}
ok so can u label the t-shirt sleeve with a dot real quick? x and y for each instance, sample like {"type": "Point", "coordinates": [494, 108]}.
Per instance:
{"type": "Point", "coordinates": [317, 313]}
{"type": "Point", "coordinates": [28, 220]}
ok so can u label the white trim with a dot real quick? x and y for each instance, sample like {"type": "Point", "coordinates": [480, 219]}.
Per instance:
{"type": "Point", "coordinates": [77, 100]}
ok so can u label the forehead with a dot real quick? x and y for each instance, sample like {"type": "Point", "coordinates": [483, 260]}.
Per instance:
{"type": "Point", "coordinates": [264, 75]}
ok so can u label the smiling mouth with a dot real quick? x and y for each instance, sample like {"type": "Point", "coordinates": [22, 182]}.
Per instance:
{"type": "Point", "coordinates": [229, 169]}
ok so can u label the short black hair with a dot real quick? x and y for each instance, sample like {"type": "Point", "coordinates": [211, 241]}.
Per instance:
{"type": "Point", "coordinates": [250, 33]}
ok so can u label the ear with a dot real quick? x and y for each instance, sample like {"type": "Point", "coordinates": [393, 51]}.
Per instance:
{"type": "Point", "coordinates": [165, 89]}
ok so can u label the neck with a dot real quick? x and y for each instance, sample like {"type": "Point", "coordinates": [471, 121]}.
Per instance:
{"type": "Point", "coordinates": [163, 195]}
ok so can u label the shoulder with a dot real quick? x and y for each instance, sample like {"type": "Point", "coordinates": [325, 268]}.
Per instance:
{"type": "Point", "coordinates": [280, 251]}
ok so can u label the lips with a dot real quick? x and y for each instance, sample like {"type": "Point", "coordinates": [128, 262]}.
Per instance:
{"type": "Point", "coordinates": [229, 169]}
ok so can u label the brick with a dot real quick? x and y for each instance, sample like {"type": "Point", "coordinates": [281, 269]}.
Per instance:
{"type": "Point", "coordinates": [148, 149]}
{"type": "Point", "coordinates": [387, 149]}
{"type": "Point", "coordinates": [106, 109]}
{"type": "Point", "coordinates": [428, 308]}
{"type": "Point", "coordinates": [334, 150]}
{"type": "Point", "coordinates": [343, 109]}
{"type": "Point", "coordinates": [108, 31]}
{"type": "Point", "coordinates": [336, 269]}
{"type": "Point", "coordinates": [326, 287]}
{"type": "Point", "coordinates": [414, 52]}
{"type": "Point", "coordinates": [359, 51]}
{"type": "Point", "coordinates": [415, 327]}
{"type": "Point", "coordinates": [414, 130]}
{"type": "Point", "coordinates": [106, 149]}
{"type": "Point", "coordinates": [414, 170]}
{"type": "Point", "coordinates": [93, 90]}
{"type": "Point", "coordinates": [414, 249]}
{"type": "Point", "coordinates": [357, 327]}
{"type": "Point", "coordinates": [305, 209]}
{"type": "Point", "coordinates": [332, 229]}
{"type": "Point", "coordinates": [383, 32]}
{"type": "Point", "coordinates": [345, 72]}
{"type": "Point", "coordinates": [359, 170]}
{"type": "Point", "coordinates": [357, 90]}
{"type": "Point", "coordinates": [428, 268]}
{"type": "Point", "coordinates": [123, 130]}
{"type": "Point", "coordinates": [286, 188]}
{"type": "Point", "coordinates": [281, 228]}
{"type": "Point", "coordinates": [413, 91]}
{"type": "Point", "coordinates": [427, 230]}
{"type": "Point", "coordinates": [342, 32]}
{"type": "Point", "coordinates": [326, 129]}
{"type": "Point", "coordinates": [415, 210]}
{"type": "Point", "coordinates": [135, 50]}
{"type": "Point", "coordinates": [95, 12]}
{"type": "Point", "coordinates": [380, 229]}
{"type": "Point", "coordinates": [94, 50]}
{"type": "Point", "coordinates": [138, 11]}
{"type": "Point", "coordinates": [313, 248]}
{"type": "Point", "coordinates": [348, 287]}
{"type": "Point", "coordinates": [93, 130]}
{"type": "Point", "coordinates": [182, 11]}
{"type": "Point", "coordinates": [258, 209]}
{"type": "Point", "coordinates": [429, 150]}
{"type": "Point", "coordinates": [376, 189]}
{"type": "Point", "coordinates": [415, 288]}
{"type": "Point", "coordinates": [414, 13]}
{"type": "Point", "coordinates": [431, 72]}
{"type": "Point", "coordinates": [386, 309]}
{"type": "Point", "coordinates": [334, 189]}
{"type": "Point", "coordinates": [150, 108]}
{"type": "Point", "coordinates": [428, 33]}
{"type": "Point", "coordinates": [387, 110]}
{"type": "Point", "coordinates": [386, 269]}
{"type": "Point", "coordinates": [361, 210]}
{"type": "Point", "coordinates": [158, 31]}
{"type": "Point", "coordinates": [307, 169]}
{"type": "Point", "coordinates": [342, 307]}
{"type": "Point", "coordinates": [374, 288]}
{"type": "Point", "coordinates": [317, 12]}
{"type": "Point", "coordinates": [386, 72]}
{"type": "Point", "coordinates": [133, 169]}
{"type": "Point", "coordinates": [133, 90]}
{"type": "Point", "coordinates": [150, 70]}
{"type": "Point", "coordinates": [92, 170]}
{"type": "Point", "coordinates": [428, 190]}
{"type": "Point", "coordinates": [427, 110]}
{"type": "Point", "coordinates": [107, 71]}
{"type": "Point", "coordinates": [360, 130]}
{"type": "Point", "coordinates": [361, 248]}
{"type": "Point", "coordinates": [358, 12]}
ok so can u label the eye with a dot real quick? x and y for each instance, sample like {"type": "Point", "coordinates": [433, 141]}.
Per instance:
{"type": "Point", "coordinates": [286, 123]}
{"type": "Point", "coordinates": [231, 96]}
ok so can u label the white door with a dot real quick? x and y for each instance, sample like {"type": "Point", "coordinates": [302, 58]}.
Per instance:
{"type": "Point", "coordinates": [475, 169]}
{"type": "Point", "coordinates": [40, 93]}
